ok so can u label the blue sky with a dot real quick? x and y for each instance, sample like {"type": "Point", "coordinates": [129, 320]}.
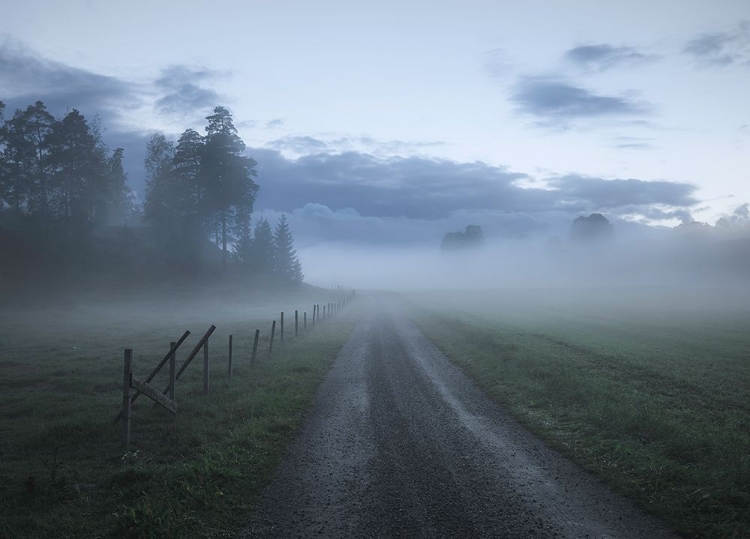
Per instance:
{"type": "Point", "coordinates": [399, 121]}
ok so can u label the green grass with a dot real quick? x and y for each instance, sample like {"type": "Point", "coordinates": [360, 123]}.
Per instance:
{"type": "Point", "coordinates": [62, 470]}
{"type": "Point", "coordinates": [651, 395]}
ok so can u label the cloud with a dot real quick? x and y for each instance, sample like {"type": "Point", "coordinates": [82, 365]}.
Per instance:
{"type": "Point", "coordinates": [301, 145]}
{"type": "Point", "coordinates": [721, 49]}
{"type": "Point", "coordinates": [602, 57]}
{"type": "Point", "coordinates": [298, 144]}
{"type": "Point", "coordinates": [182, 94]}
{"type": "Point", "coordinates": [558, 102]}
{"type": "Point", "coordinates": [27, 77]}
{"type": "Point", "coordinates": [276, 122]}
{"type": "Point", "coordinates": [617, 193]}
{"type": "Point", "coordinates": [360, 196]}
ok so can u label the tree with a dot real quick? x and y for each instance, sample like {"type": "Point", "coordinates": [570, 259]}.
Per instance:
{"type": "Point", "coordinates": [286, 262]}
{"type": "Point", "coordinates": [227, 178]}
{"type": "Point", "coordinates": [159, 209]}
{"type": "Point", "coordinates": [38, 125]}
{"type": "Point", "coordinates": [117, 206]}
{"type": "Point", "coordinates": [260, 259]}
{"type": "Point", "coordinates": [471, 237]}
{"type": "Point", "coordinates": [78, 172]}
{"type": "Point", "coordinates": [593, 228]}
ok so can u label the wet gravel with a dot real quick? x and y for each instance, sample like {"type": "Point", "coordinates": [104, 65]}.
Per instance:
{"type": "Point", "coordinates": [400, 443]}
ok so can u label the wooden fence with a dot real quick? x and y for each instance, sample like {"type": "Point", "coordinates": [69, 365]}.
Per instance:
{"type": "Point", "coordinates": [133, 387]}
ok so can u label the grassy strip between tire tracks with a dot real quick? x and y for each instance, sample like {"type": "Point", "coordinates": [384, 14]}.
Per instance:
{"type": "Point", "coordinates": [655, 416]}
{"type": "Point", "coordinates": [66, 476]}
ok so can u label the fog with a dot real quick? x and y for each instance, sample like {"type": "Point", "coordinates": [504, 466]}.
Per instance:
{"type": "Point", "coordinates": [678, 259]}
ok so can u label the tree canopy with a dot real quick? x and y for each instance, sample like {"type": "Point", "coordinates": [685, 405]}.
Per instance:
{"type": "Point", "coordinates": [471, 237]}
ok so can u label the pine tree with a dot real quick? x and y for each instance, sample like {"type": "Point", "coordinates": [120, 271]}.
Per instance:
{"type": "Point", "coordinates": [78, 170]}
{"type": "Point", "coordinates": [261, 255]}
{"type": "Point", "coordinates": [286, 262]}
{"type": "Point", "coordinates": [227, 176]}
{"type": "Point", "coordinates": [159, 208]}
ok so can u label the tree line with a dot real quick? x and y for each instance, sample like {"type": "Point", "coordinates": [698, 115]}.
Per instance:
{"type": "Point", "coordinates": [60, 186]}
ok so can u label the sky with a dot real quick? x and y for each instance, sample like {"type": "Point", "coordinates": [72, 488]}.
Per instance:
{"type": "Point", "coordinates": [396, 122]}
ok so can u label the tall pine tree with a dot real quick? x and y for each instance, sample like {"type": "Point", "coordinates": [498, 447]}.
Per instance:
{"type": "Point", "coordinates": [228, 179]}
{"type": "Point", "coordinates": [286, 262]}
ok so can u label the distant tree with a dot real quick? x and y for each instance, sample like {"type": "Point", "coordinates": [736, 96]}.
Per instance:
{"type": "Point", "coordinates": [471, 237]}
{"type": "Point", "coordinates": [593, 228]}
{"type": "Point", "coordinates": [260, 256]}
{"type": "Point", "coordinates": [190, 196]}
{"type": "Point", "coordinates": [116, 207]}
{"type": "Point", "coordinates": [286, 262]}
{"type": "Point", "coordinates": [159, 209]}
{"type": "Point", "coordinates": [228, 179]}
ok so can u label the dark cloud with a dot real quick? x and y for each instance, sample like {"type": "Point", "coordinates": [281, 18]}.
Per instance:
{"type": "Point", "coordinates": [558, 102]}
{"type": "Point", "coordinates": [603, 56]}
{"type": "Point", "coordinates": [426, 189]}
{"type": "Point", "coordinates": [612, 194]}
{"type": "Point", "coordinates": [27, 77]}
{"type": "Point", "coordinates": [719, 49]}
{"type": "Point", "coordinates": [183, 94]}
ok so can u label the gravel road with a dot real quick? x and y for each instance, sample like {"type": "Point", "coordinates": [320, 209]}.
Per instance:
{"type": "Point", "coordinates": [400, 443]}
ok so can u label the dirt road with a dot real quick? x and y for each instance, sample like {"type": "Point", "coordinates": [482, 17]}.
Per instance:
{"type": "Point", "coordinates": [400, 443]}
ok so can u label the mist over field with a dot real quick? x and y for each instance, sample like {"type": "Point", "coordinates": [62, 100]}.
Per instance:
{"type": "Point", "coordinates": [672, 260]}
{"type": "Point", "coordinates": [450, 269]}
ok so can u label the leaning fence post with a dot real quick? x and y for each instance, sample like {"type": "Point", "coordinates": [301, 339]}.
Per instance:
{"type": "Point", "coordinates": [205, 368]}
{"type": "Point", "coordinates": [273, 332]}
{"type": "Point", "coordinates": [172, 379]}
{"type": "Point", "coordinates": [255, 347]}
{"type": "Point", "coordinates": [296, 322]}
{"type": "Point", "coordinates": [126, 379]}
{"type": "Point", "coordinates": [230, 357]}
{"type": "Point", "coordinates": [313, 316]}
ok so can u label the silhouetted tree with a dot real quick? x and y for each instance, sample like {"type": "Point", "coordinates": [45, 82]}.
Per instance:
{"type": "Point", "coordinates": [261, 254]}
{"type": "Point", "coordinates": [286, 262]}
{"type": "Point", "coordinates": [227, 177]}
{"type": "Point", "coordinates": [78, 171]}
{"type": "Point", "coordinates": [593, 228]}
{"type": "Point", "coordinates": [471, 237]}
{"type": "Point", "coordinates": [159, 208]}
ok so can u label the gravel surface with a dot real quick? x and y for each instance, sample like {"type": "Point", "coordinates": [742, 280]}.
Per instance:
{"type": "Point", "coordinates": [400, 443]}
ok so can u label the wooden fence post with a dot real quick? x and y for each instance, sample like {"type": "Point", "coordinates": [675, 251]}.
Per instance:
{"type": "Point", "coordinates": [313, 316]}
{"type": "Point", "coordinates": [282, 327]}
{"type": "Point", "coordinates": [230, 357]}
{"type": "Point", "coordinates": [126, 378]}
{"type": "Point", "coordinates": [255, 347]}
{"type": "Point", "coordinates": [304, 320]}
{"type": "Point", "coordinates": [296, 322]}
{"type": "Point", "coordinates": [205, 369]}
{"type": "Point", "coordinates": [172, 379]}
{"type": "Point", "coordinates": [273, 332]}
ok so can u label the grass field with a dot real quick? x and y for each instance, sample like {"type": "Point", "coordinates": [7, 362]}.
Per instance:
{"type": "Point", "coordinates": [649, 388]}
{"type": "Point", "coordinates": [62, 470]}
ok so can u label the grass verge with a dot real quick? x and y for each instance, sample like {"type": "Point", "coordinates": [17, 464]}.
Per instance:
{"type": "Point", "coordinates": [62, 471]}
{"type": "Point", "coordinates": [657, 403]}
